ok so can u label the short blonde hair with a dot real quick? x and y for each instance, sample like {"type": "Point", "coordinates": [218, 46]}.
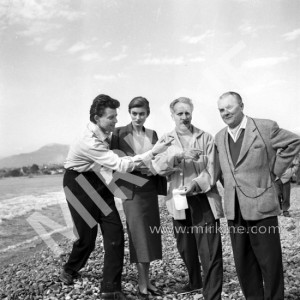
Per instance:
{"type": "Point", "coordinates": [181, 100]}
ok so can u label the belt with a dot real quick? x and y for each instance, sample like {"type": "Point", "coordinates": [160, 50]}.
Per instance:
{"type": "Point", "coordinates": [72, 170]}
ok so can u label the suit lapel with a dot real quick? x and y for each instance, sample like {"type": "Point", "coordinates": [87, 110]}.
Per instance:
{"type": "Point", "coordinates": [130, 141]}
{"type": "Point", "coordinates": [249, 138]}
{"type": "Point", "coordinates": [128, 138]}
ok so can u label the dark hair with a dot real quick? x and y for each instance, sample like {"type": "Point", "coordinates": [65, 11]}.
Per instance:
{"type": "Point", "coordinates": [234, 94]}
{"type": "Point", "coordinates": [100, 103]}
{"type": "Point", "coordinates": [139, 102]}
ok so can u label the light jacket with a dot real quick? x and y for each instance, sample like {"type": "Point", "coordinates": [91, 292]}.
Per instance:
{"type": "Point", "coordinates": [266, 152]}
{"type": "Point", "coordinates": [167, 164]}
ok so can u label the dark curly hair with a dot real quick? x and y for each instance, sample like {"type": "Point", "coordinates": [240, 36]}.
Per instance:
{"type": "Point", "coordinates": [100, 103]}
{"type": "Point", "coordinates": [139, 102]}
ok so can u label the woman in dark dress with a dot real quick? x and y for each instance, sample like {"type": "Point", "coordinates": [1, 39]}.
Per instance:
{"type": "Point", "coordinates": [141, 206]}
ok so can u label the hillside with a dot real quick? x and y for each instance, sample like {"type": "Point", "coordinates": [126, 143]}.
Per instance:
{"type": "Point", "coordinates": [48, 154]}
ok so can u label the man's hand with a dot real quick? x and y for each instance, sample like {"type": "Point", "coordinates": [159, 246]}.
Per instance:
{"type": "Point", "coordinates": [192, 153]}
{"type": "Point", "coordinates": [191, 189]}
{"type": "Point", "coordinates": [139, 164]}
{"type": "Point", "coordinates": [144, 169]}
{"type": "Point", "coordinates": [161, 146]}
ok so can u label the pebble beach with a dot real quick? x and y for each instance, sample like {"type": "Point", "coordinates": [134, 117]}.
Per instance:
{"type": "Point", "coordinates": [33, 272]}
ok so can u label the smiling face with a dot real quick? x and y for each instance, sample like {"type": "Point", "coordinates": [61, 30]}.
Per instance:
{"type": "Point", "coordinates": [231, 110]}
{"type": "Point", "coordinates": [182, 116]}
{"type": "Point", "coordinates": [138, 116]}
{"type": "Point", "coordinates": [108, 120]}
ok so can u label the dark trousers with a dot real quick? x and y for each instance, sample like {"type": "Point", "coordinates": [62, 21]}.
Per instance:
{"type": "Point", "coordinates": [284, 194]}
{"type": "Point", "coordinates": [111, 228]}
{"type": "Point", "coordinates": [257, 256]}
{"type": "Point", "coordinates": [199, 235]}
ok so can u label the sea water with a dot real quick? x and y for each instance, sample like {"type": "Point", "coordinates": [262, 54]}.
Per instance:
{"type": "Point", "coordinates": [20, 195]}
{"type": "Point", "coordinates": [21, 198]}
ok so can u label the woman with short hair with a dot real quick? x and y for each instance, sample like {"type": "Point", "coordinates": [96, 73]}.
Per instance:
{"type": "Point", "coordinates": [141, 207]}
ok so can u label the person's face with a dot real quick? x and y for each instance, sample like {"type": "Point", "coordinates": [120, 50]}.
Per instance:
{"type": "Point", "coordinates": [138, 116]}
{"type": "Point", "coordinates": [231, 111]}
{"type": "Point", "coordinates": [182, 116]}
{"type": "Point", "coordinates": [108, 120]}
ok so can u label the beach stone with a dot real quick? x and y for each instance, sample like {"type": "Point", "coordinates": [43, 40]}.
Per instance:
{"type": "Point", "coordinates": [89, 292]}
{"type": "Point", "coordinates": [37, 277]}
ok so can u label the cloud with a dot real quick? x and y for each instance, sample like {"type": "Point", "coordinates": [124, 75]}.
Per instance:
{"type": "Point", "coordinates": [106, 45]}
{"type": "Point", "coordinates": [122, 55]}
{"type": "Point", "coordinates": [38, 17]}
{"type": "Point", "coordinates": [265, 62]}
{"type": "Point", "coordinates": [264, 84]}
{"type": "Point", "coordinates": [119, 57]}
{"type": "Point", "coordinates": [180, 60]}
{"type": "Point", "coordinates": [22, 10]}
{"type": "Point", "coordinates": [293, 35]}
{"type": "Point", "coordinates": [80, 46]}
{"type": "Point", "coordinates": [198, 59]}
{"type": "Point", "coordinates": [277, 82]}
{"type": "Point", "coordinates": [163, 61]}
{"type": "Point", "coordinates": [199, 38]}
{"type": "Point", "coordinates": [247, 29]}
{"type": "Point", "coordinates": [110, 77]}
{"type": "Point", "coordinates": [38, 29]}
{"type": "Point", "coordinates": [53, 45]}
{"type": "Point", "coordinates": [105, 77]}
{"type": "Point", "coordinates": [91, 56]}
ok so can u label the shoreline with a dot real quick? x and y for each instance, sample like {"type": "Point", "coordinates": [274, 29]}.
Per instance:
{"type": "Point", "coordinates": [28, 241]}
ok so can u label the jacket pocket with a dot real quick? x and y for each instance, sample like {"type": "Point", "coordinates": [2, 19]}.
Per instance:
{"type": "Point", "coordinates": [268, 202]}
{"type": "Point", "coordinates": [264, 200]}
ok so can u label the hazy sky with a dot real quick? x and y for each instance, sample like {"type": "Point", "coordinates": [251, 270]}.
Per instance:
{"type": "Point", "coordinates": [57, 55]}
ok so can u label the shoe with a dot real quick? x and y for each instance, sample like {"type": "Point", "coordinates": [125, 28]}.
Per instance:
{"type": "Point", "coordinates": [111, 291]}
{"type": "Point", "coordinates": [76, 275]}
{"type": "Point", "coordinates": [156, 292]}
{"type": "Point", "coordinates": [143, 296]}
{"type": "Point", "coordinates": [187, 289]}
{"type": "Point", "coordinates": [66, 277]}
{"type": "Point", "coordinates": [113, 296]}
{"type": "Point", "coordinates": [286, 213]}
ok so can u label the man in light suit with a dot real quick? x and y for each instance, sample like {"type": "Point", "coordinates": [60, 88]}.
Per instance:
{"type": "Point", "coordinates": [252, 152]}
{"type": "Point", "coordinates": [189, 163]}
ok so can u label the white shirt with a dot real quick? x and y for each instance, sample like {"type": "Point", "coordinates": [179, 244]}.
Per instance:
{"type": "Point", "coordinates": [92, 149]}
{"type": "Point", "coordinates": [240, 127]}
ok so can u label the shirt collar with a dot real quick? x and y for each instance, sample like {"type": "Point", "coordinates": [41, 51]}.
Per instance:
{"type": "Point", "coordinates": [241, 126]}
{"type": "Point", "coordinates": [97, 131]}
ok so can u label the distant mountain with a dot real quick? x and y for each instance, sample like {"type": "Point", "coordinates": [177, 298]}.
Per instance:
{"type": "Point", "coordinates": [49, 154]}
